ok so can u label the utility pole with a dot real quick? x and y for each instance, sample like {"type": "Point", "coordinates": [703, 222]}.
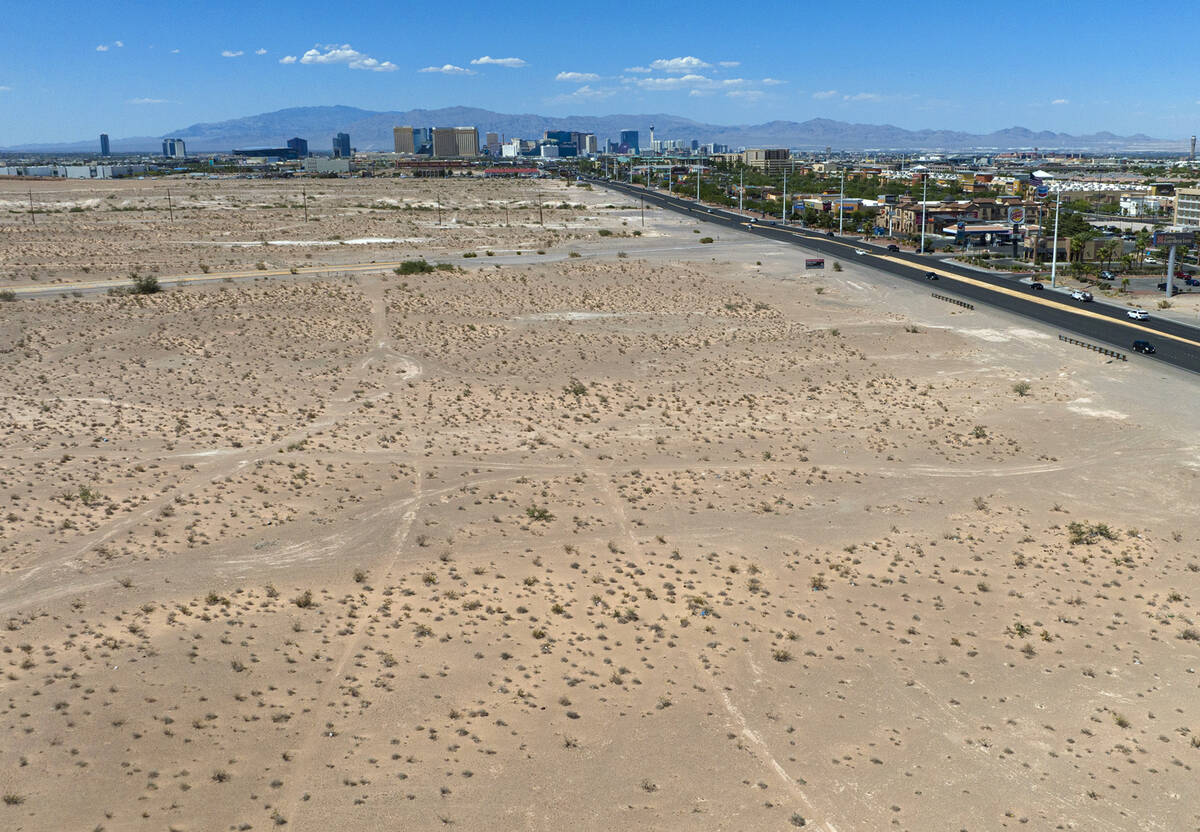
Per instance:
{"type": "Point", "coordinates": [1054, 253]}
{"type": "Point", "coordinates": [304, 197]}
{"type": "Point", "coordinates": [170, 207]}
{"type": "Point", "coordinates": [506, 223]}
{"type": "Point", "coordinates": [541, 220]}
{"type": "Point", "coordinates": [741, 188]}
{"type": "Point", "coordinates": [842, 202]}
{"type": "Point", "coordinates": [924, 195]}
{"type": "Point", "coordinates": [32, 215]}
{"type": "Point", "coordinates": [698, 175]}
{"type": "Point", "coordinates": [644, 218]}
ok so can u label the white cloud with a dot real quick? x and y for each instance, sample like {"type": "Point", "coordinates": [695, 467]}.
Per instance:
{"type": "Point", "coordinates": [863, 96]}
{"type": "Point", "coordinates": [260, 51]}
{"type": "Point", "coordinates": [638, 69]}
{"type": "Point", "coordinates": [174, 51]}
{"type": "Point", "coordinates": [229, 53]}
{"type": "Point", "coordinates": [824, 94]}
{"type": "Point", "coordinates": [118, 43]}
{"type": "Point", "coordinates": [4, 88]}
{"type": "Point", "coordinates": [749, 96]}
{"type": "Point", "coordinates": [448, 69]}
{"type": "Point", "coordinates": [679, 65]}
{"type": "Point", "coordinates": [288, 59]}
{"type": "Point", "coordinates": [148, 101]}
{"type": "Point", "coordinates": [1060, 101]}
{"type": "Point", "coordinates": [577, 77]}
{"type": "Point", "coordinates": [729, 64]}
{"type": "Point", "coordinates": [102, 48]}
{"type": "Point", "coordinates": [772, 82]}
{"type": "Point", "coordinates": [344, 54]}
{"type": "Point", "coordinates": [587, 91]}
{"type": "Point", "coordinates": [511, 63]}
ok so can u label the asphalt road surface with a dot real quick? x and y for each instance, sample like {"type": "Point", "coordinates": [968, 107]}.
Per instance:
{"type": "Point", "coordinates": [1101, 323]}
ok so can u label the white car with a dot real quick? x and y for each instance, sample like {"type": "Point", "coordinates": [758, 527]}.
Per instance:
{"type": "Point", "coordinates": [1138, 314]}
{"type": "Point", "coordinates": [860, 251]}
{"type": "Point", "coordinates": [1079, 294]}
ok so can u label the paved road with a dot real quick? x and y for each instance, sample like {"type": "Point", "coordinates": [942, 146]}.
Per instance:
{"type": "Point", "coordinates": [1102, 323]}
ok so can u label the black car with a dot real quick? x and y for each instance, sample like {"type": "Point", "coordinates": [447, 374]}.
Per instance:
{"type": "Point", "coordinates": [893, 247]}
{"type": "Point", "coordinates": [1036, 287]}
{"type": "Point", "coordinates": [1144, 347]}
{"type": "Point", "coordinates": [830, 234]}
{"type": "Point", "coordinates": [931, 276]}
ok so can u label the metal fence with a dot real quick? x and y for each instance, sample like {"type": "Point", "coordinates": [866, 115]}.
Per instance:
{"type": "Point", "coordinates": [955, 301]}
{"type": "Point", "coordinates": [1102, 350]}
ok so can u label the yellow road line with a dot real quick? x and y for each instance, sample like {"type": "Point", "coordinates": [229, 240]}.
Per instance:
{"type": "Point", "coordinates": [1027, 296]}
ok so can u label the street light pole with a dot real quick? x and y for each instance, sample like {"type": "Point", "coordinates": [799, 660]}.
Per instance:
{"type": "Point", "coordinates": [698, 175]}
{"type": "Point", "coordinates": [1054, 253]}
{"type": "Point", "coordinates": [783, 212]}
{"type": "Point", "coordinates": [741, 188]}
{"type": "Point", "coordinates": [924, 195]}
{"type": "Point", "coordinates": [842, 202]}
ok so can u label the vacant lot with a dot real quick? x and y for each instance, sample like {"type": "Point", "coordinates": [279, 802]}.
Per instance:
{"type": "Point", "coordinates": [667, 534]}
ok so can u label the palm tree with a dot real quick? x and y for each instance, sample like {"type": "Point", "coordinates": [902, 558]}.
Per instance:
{"type": "Point", "coordinates": [1142, 243]}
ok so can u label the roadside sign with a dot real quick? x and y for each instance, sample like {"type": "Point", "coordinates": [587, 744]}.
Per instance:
{"type": "Point", "coordinates": [962, 226]}
{"type": "Point", "coordinates": [1174, 238]}
{"type": "Point", "coordinates": [1042, 191]}
{"type": "Point", "coordinates": [814, 263]}
{"type": "Point", "coordinates": [1016, 214]}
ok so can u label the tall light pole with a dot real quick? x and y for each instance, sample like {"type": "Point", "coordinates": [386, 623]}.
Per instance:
{"type": "Point", "coordinates": [924, 195]}
{"type": "Point", "coordinates": [741, 188]}
{"type": "Point", "coordinates": [842, 202]}
{"type": "Point", "coordinates": [783, 212]}
{"type": "Point", "coordinates": [1054, 253]}
{"type": "Point", "coordinates": [698, 175]}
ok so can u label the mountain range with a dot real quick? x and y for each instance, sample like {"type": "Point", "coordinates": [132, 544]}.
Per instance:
{"type": "Point", "coordinates": [372, 130]}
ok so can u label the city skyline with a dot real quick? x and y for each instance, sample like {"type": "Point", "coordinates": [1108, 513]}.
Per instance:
{"type": "Point", "coordinates": [1070, 69]}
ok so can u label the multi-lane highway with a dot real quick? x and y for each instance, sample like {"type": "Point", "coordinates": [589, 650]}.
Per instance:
{"type": "Point", "coordinates": [1176, 343]}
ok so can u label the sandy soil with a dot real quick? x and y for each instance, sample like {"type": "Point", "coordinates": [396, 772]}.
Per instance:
{"type": "Point", "coordinates": [671, 535]}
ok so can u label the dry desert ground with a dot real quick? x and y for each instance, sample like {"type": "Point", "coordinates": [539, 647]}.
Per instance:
{"type": "Point", "coordinates": [602, 530]}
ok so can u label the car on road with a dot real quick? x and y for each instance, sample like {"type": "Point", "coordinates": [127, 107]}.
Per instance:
{"type": "Point", "coordinates": [860, 251]}
{"type": "Point", "coordinates": [1144, 347]}
{"type": "Point", "coordinates": [893, 247]}
{"type": "Point", "coordinates": [1036, 287]}
{"type": "Point", "coordinates": [1107, 275]}
{"type": "Point", "coordinates": [931, 276]}
{"type": "Point", "coordinates": [830, 234]}
{"type": "Point", "coordinates": [1191, 281]}
{"type": "Point", "coordinates": [1081, 295]}
{"type": "Point", "coordinates": [1138, 314]}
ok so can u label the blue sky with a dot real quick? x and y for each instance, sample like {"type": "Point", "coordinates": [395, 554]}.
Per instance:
{"type": "Point", "coordinates": [68, 73]}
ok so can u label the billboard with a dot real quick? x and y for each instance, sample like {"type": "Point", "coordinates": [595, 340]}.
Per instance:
{"type": "Point", "coordinates": [814, 263]}
{"type": "Point", "coordinates": [1016, 214]}
{"type": "Point", "coordinates": [1174, 238]}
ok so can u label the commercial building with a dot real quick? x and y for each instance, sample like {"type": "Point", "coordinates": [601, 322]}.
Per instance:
{"type": "Point", "coordinates": [74, 171]}
{"type": "Point", "coordinates": [299, 146]}
{"type": "Point", "coordinates": [771, 160]}
{"type": "Point", "coordinates": [317, 165]}
{"type": "Point", "coordinates": [492, 143]}
{"type": "Point", "coordinates": [104, 151]}
{"type": "Point", "coordinates": [629, 142]}
{"type": "Point", "coordinates": [455, 142]}
{"type": "Point", "coordinates": [341, 146]}
{"type": "Point", "coordinates": [174, 148]}
{"type": "Point", "coordinates": [268, 154]}
{"type": "Point", "coordinates": [589, 144]}
{"type": "Point", "coordinates": [403, 140]}
{"type": "Point", "coordinates": [1187, 207]}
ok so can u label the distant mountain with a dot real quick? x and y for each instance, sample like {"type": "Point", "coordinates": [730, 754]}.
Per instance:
{"type": "Point", "coordinates": [372, 130]}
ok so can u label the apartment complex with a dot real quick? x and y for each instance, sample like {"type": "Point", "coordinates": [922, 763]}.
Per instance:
{"type": "Point", "coordinates": [1187, 207]}
{"type": "Point", "coordinates": [771, 160]}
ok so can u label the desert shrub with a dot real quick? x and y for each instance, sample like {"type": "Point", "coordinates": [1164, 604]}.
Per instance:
{"type": "Point", "coordinates": [413, 267]}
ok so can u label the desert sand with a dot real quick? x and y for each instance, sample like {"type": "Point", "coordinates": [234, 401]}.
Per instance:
{"type": "Point", "coordinates": [602, 529]}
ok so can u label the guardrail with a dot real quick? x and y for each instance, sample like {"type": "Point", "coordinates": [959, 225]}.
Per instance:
{"type": "Point", "coordinates": [955, 301]}
{"type": "Point", "coordinates": [1120, 356]}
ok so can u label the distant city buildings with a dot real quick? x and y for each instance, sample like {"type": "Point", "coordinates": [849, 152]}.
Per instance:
{"type": "Point", "coordinates": [455, 142]}
{"type": "Point", "coordinates": [492, 144]}
{"type": "Point", "coordinates": [341, 146]}
{"type": "Point", "coordinates": [404, 140]}
{"type": "Point", "coordinates": [174, 148]}
{"type": "Point", "coordinates": [628, 142]}
{"type": "Point", "coordinates": [299, 147]}
{"type": "Point", "coordinates": [104, 149]}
